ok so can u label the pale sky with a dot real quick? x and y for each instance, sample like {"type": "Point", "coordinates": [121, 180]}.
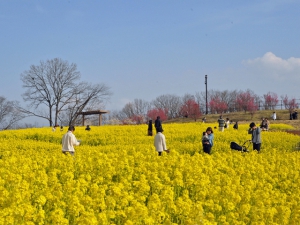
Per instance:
{"type": "Point", "coordinates": [143, 49]}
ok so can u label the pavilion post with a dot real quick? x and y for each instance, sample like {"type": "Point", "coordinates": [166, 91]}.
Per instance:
{"type": "Point", "coordinates": [100, 119]}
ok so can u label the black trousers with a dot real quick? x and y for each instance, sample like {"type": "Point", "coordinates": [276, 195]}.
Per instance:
{"type": "Point", "coordinates": [207, 148]}
{"type": "Point", "coordinates": [256, 146]}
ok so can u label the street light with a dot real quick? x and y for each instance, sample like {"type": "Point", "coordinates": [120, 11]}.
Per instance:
{"type": "Point", "coordinates": [206, 112]}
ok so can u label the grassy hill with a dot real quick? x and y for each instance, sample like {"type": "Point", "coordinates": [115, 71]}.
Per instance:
{"type": "Point", "coordinates": [283, 116]}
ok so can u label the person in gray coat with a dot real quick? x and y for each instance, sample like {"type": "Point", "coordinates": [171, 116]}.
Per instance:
{"type": "Point", "coordinates": [256, 136]}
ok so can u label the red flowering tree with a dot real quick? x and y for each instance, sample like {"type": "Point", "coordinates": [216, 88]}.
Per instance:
{"type": "Point", "coordinates": [252, 108]}
{"type": "Point", "coordinates": [246, 101]}
{"type": "Point", "coordinates": [154, 113]}
{"type": "Point", "coordinates": [290, 104]}
{"type": "Point", "coordinates": [271, 100]}
{"type": "Point", "coordinates": [217, 106]}
{"type": "Point", "coordinates": [190, 109]}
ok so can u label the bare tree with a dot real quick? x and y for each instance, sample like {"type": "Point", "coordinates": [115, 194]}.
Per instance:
{"type": "Point", "coordinates": [87, 96]}
{"type": "Point", "coordinates": [128, 110]}
{"type": "Point", "coordinates": [9, 113]}
{"type": "Point", "coordinates": [55, 85]}
{"type": "Point", "coordinates": [141, 107]}
{"type": "Point", "coordinates": [136, 109]}
{"type": "Point", "coordinates": [171, 103]}
{"type": "Point", "coordinates": [187, 97]}
{"type": "Point", "coordinates": [201, 100]}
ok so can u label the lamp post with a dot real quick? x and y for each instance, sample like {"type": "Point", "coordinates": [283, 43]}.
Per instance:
{"type": "Point", "coordinates": [206, 110]}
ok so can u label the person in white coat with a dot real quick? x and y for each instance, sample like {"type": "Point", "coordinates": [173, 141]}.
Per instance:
{"type": "Point", "coordinates": [274, 116]}
{"type": "Point", "coordinates": [69, 141]}
{"type": "Point", "coordinates": [160, 142]}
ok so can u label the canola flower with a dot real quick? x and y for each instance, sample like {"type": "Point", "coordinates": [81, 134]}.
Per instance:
{"type": "Point", "coordinates": [116, 177]}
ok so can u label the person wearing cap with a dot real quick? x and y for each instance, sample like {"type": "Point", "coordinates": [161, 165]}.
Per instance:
{"type": "Point", "coordinates": [160, 141]}
{"type": "Point", "coordinates": [69, 141]}
{"type": "Point", "coordinates": [256, 136]}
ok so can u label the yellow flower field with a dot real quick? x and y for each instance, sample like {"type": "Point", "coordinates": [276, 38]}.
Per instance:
{"type": "Point", "coordinates": [116, 177]}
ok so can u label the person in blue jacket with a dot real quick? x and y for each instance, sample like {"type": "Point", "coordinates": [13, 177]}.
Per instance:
{"type": "Point", "coordinates": [207, 145]}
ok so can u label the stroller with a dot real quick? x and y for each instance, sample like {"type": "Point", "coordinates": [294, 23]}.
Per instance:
{"type": "Point", "coordinates": [243, 148]}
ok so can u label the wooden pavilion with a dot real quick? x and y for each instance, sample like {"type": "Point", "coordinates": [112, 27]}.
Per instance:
{"type": "Point", "coordinates": [95, 112]}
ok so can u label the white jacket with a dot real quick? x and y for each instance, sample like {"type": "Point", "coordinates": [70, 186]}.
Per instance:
{"type": "Point", "coordinates": [68, 141]}
{"type": "Point", "coordinates": [160, 142]}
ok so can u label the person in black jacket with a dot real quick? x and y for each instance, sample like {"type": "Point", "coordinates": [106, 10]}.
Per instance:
{"type": "Point", "coordinates": [236, 125]}
{"type": "Point", "coordinates": [157, 124]}
{"type": "Point", "coordinates": [150, 133]}
{"type": "Point", "coordinates": [88, 128]}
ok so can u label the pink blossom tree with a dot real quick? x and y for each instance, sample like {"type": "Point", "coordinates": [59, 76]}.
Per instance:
{"type": "Point", "coordinates": [271, 100]}
{"type": "Point", "coordinates": [246, 101]}
{"type": "Point", "coordinates": [217, 106]}
{"type": "Point", "coordinates": [252, 108]}
{"type": "Point", "coordinates": [190, 109]}
{"type": "Point", "coordinates": [290, 104]}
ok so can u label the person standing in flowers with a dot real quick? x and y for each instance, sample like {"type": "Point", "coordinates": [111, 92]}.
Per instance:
{"type": "Point", "coordinates": [157, 123]}
{"type": "Point", "coordinates": [236, 125]}
{"type": "Point", "coordinates": [88, 128]}
{"type": "Point", "coordinates": [221, 122]}
{"type": "Point", "coordinates": [208, 140]}
{"type": "Point", "coordinates": [227, 122]}
{"type": "Point", "coordinates": [150, 128]}
{"type": "Point", "coordinates": [205, 140]}
{"type": "Point", "coordinates": [69, 141]}
{"type": "Point", "coordinates": [160, 141]}
{"type": "Point", "coordinates": [256, 136]}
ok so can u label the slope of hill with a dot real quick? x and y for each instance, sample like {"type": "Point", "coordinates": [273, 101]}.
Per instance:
{"type": "Point", "coordinates": [244, 118]}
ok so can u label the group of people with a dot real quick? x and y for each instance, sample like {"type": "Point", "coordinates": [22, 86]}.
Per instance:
{"type": "Point", "coordinates": [69, 140]}
{"type": "Point", "coordinates": [225, 123]}
{"type": "Point", "coordinates": [265, 124]}
{"type": "Point", "coordinates": [294, 115]}
{"type": "Point", "coordinates": [208, 137]}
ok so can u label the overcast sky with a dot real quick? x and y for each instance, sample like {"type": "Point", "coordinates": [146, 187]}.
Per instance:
{"type": "Point", "coordinates": [143, 49]}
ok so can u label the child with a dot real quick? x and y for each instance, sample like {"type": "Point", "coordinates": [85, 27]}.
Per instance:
{"type": "Point", "coordinates": [205, 141]}
{"type": "Point", "coordinates": [236, 125]}
{"type": "Point", "coordinates": [205, 138]}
